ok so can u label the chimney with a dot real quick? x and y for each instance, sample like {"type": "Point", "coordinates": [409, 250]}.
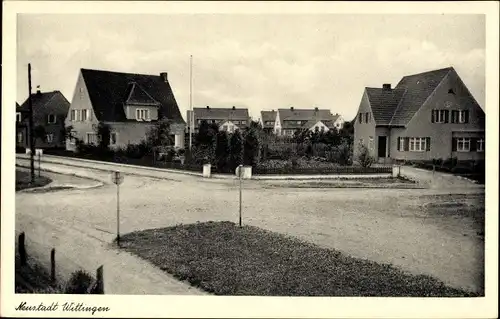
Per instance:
{"type": "Point", "coordinates": [386, 86]}
{"type": "Point", "coordinates": [38, 92]}
{"type": "Point", "coordinates": [234, 107]}
{"type": "Point", "coordinates": [316, 109]}
{"type": "Point", "coordinates": [208, 107]}
{"type": "Point", "coordinates": [164, 76]}
{"type": "Point", "coordinates": [291, 108]}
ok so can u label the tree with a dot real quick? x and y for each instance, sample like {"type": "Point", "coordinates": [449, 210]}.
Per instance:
{"type": "Point", "coordinates": [206, 134]}
{"type": "Point", "coordinates": [222, 151]}
{"type": "Point", "coordinates": [235, 149]}
{"type": "Point", "coordinates": [159, 136]}
{"type": "Point", "coordinates": [103, 132]}
{"type": "Point", "coordinates": [364, 157]}
{"type": "Point", "coordinates": [251, 147]}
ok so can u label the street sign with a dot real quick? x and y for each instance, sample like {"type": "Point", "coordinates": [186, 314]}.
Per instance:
{"type": "Point", "coordinates": [117, 178]}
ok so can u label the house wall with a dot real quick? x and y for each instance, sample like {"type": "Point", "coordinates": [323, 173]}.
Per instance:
{"type": "Point", "coordinates": [339, 122]}
{"type": "Point", "coordinates": [441, 133]}
{"type": "Point", "coordinates": [277, 124]}
{"type": "Point", "coordinates": [363, 130]}
{"type": "Point", "coordinates": [130, 111]}
{"type": "Point", "coordinates": [80, 101]}
{"type": "Point", "coordinates": [319, 125]}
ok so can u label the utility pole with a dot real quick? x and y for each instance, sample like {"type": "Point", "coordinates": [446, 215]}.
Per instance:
{"type": "Point", "coordinates": [191, 115]}
{"type": "Point", "coordinates": [31, 129]}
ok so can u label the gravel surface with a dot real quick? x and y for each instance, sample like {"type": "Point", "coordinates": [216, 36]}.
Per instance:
{"type": "Point", "coordinates": [383, 225]}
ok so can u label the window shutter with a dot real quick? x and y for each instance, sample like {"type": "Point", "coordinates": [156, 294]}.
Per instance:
{"type": "Point", "coordinates": [433, 120]}
{"type": "Point", "coordinates": [407, 144]}
{"type": "Point", "coordinates": [454, 144]}
{"type": "Point", "coordinates": [399, 142]}
{"type": "Point", "coordinates": [467, 116]}
{"type": "Point", "coordinates": [427, 143]}
{"type": "Point", "coordinates": [473, 144]}
{"type": "Point", "coordinates": [446, 115]}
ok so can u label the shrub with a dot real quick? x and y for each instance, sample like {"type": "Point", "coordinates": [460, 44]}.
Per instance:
{"type": "Point", "coordinates": [137, 151]}
{"type": "Point", "coordinates": [159, 134]}
{"type": "Point", "coordinates": [250, 148]}
{"type": "Point", "coordinates": [79, 283]}
{"type": "Point", "coordinates": [236, 150]}
{"type": "Point", "coordinates": [103, 132]}
{"type": "Point", "coordinates": [222, 151]}
{"type": "Point", "coordinates": [364, 158]}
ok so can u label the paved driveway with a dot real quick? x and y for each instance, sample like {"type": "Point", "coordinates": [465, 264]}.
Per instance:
{"type": "Point", "coordinates": [384, 225]}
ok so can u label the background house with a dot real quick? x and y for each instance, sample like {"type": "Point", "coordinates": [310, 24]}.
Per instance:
{"type": "Point", "coordinates": [267, 120]}
{"type": "Point", "coordinates": [430, 115]}
{"type": "Point", "coordinates": [227, 119]}
{"type": "Point", "coordinates": [289, 121]}
{"type": "Point", "coordinates": [130, 104]}
{"type": "Point", "coordinates": [49, 111]}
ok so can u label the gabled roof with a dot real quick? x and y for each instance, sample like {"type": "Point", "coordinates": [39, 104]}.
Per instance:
{"type": "Point", "coordinates": [289, 116]}
{"type": "Point", "coordinates": [137, 96]}
{"type": "Point", "coordinates": [220, 113]}
{"type": "Point", "coordinates": [384, 103]}
{"type": "Point", "coordinates": [268, 115]}
{"type": "Point", "coordinates": [109, 91]}
{"type": "Point", "coordinates": [397, 106]}
{"type": "Point", "coordinates": [44, 100]}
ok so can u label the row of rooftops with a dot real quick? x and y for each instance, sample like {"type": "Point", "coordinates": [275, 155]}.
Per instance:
{"type": "Point", "coordinates": [109, 91]}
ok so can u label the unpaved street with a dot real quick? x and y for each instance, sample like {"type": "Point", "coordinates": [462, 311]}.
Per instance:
{"type": "Point", "coordinates": [384, 225]}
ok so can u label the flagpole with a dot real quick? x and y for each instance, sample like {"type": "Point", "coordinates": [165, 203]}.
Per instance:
{"type": "Point", "coordinates": [191, 115]}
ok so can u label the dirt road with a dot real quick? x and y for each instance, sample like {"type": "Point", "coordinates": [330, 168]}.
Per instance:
{"type": "Point", "coordinates": [384, 225]}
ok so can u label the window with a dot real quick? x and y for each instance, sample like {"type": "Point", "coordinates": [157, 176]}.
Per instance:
{"type": "Point", "coordinates": [73, 115]}
{"type": "Point", "coordinates": [81, 93]}
{"type": "Point", "coordinates": [20, 137]}
{"type": "Point", "coordinates": [214, 121]}
{"type": "Point", "coordinates": [142, 114]}
{"type": "Point", "coordinates": [401, 144]}
{"type": "Point", "coordinates": [440, 116]}
{"type": "Point", "coordinates": [480, 145]}
{"type": "Point", "coordinates": [91, 138]}
{"type": "Point", "coordinates": [418, 144]}
{"type": "Point", "coordinates": [463, 144]}
{"type": "Point", "coordinates": [322, 129]}
{"type": "Point", "coordinates": [370, 142]}
{"type": "Point", "coordinates": [18, 117]}
{"type": "Point", "coordinates": [243, 122]}
{"type": "Point", "coordinates": [51, 118]}
{"type": "Point", "coordinates": [450, 91]}
{"type": "Point", "coordinates": [236, 122]}
{"type": "Point", "coordinates": [85, 115]}
{"type": "Point", "coordinates": [50, 138]}
{"type": "Point", "coordinates": [72, 139]}
{"type": "Point", "coordinates": [299, 122]}
{"type": "Point", "coordinates": [367, 117]}
{"type": "Point", "coordinates": [463, 117]}
{"type": "Point", "coordinates": [199, 121]}
{"type": "Point", "coordinates": [112, 138]}
{"type": "Point", "coordinates": [360, 117]}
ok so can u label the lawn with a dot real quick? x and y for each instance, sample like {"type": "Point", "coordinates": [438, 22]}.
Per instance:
{"type": "Point", "coordinates": [23, 180]}
{"type": "Point", "coordinates": [223, 259]}
{"type": "Point", "coordinates": [350, 183]}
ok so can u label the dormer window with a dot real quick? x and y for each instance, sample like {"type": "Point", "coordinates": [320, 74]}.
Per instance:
{"type": "Point", "coordinates": [450, 91]}
{"type": "Point", "coordinates": [142, 115]}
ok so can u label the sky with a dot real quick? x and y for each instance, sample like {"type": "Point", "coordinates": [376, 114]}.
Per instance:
{"type": "Point", "coordinates": [261, 62]}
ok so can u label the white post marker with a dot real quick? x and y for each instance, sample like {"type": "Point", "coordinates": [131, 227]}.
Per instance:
{"type": "Point", "coordinates": [117, 179]}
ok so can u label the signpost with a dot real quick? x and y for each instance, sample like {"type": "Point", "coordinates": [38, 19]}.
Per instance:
{"type": "Point", "coordinates": [39, 163]}
{"type": "Point", "coordinates": [117, 179]}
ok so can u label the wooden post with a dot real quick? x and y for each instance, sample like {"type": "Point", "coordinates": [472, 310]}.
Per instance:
{"type": "Point", "coordinates": [100, 280]}
{"type": "Point", "coordinates": [53, 265]}
{"type": "Point", "coordinates": [22, 249]}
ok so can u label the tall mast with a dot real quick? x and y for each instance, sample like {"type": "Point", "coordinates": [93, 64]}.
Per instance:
{"type": "Point", "coordinates": [191, 116]}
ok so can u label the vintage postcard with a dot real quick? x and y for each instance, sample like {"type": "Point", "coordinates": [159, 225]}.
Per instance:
{"type": "Point", "coordinates": [250, 159]}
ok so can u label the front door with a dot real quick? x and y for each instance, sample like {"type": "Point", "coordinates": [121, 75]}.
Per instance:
{"type": "Point", "coordinates": [382, 146]}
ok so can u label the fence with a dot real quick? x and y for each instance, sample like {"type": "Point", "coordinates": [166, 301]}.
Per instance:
{"type": "Point", "coordinates": [324, 171]}
{"type": "Point", "coordinates": [95, 287]}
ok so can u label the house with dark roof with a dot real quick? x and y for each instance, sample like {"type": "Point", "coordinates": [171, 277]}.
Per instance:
{"type": "Point", "coordinates": [267, 120]}
{"type": "Point", "coordinates": [289, 121]}
{"type": "Point", "coordinates": [130, 104]}
{"type": "Point", "coordinates": [227, 119]}
{"type": "Point", "coordinates": [49, 112]}
{"type": "Point", "coordinates": [430, 115]}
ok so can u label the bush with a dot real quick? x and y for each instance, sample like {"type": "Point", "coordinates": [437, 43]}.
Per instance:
{"type": "Point", "coordinates": [79, 283]}
{"type": "Point", "coordinates": [365, 159]}
{"type": "Point", "coordinates": [137, 151]}
{"type": "Point", "coordinates": [222, 151]}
